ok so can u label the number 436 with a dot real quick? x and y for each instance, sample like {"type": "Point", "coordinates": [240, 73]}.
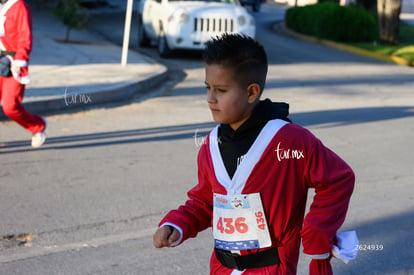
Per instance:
{"type": "Point", "coordinates": [260, 220]}
{"type": "Point", "coordinates": [228, 226]}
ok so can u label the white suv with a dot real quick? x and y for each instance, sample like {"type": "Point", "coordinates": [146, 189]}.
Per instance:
{"type": "Point", "coordinates": [173, 24]}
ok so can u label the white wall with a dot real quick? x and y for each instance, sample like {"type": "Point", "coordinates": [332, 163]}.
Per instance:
{"type": "Point", "coordinates": [301, 2]}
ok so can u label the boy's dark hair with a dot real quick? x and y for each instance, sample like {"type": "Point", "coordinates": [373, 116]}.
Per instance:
{"type": "Point", "coordinates": [243, 54]}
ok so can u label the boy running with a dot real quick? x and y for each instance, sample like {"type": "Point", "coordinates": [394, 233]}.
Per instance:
{"type": "Point", "coordinates": [254, 171]}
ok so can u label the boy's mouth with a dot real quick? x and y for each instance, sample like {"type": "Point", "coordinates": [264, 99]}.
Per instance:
{"type": "Point", "coordinates": [213, 109]}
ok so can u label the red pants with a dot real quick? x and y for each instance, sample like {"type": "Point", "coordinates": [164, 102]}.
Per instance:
{"type": "Point", "coordinates": [11, 96]}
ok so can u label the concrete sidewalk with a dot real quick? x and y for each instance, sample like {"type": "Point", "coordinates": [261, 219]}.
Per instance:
{"type": "Point", "coordinates": [84, 72]}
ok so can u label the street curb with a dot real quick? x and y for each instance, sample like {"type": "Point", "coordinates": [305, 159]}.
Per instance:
{"type": "Point", "coordinates": [111, 95]}
{"type": "Point", "coordinates": [391, 59]}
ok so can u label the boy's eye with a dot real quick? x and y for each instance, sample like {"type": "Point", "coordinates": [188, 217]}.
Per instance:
{"type": "Point", "coordinates": [208, 88]}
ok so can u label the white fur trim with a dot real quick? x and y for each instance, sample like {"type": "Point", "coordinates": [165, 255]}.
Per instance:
{"type": "Point", "coordinates": [3, 11]}
{"type": "Point", "coordinates": [20, 63]}
{"type": "Point", "coordinates": [7, 6]}
{"type": "Point", "coordinates": [320, 256]}
{"type": "Point", "coordinates": [236, 184]}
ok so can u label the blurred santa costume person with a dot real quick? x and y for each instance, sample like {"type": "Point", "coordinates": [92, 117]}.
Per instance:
{"type": "Point", "coordinates": [16, 45]}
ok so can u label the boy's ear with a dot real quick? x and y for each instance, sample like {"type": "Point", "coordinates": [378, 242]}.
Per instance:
{"type": "Point", "coordinates": [253, 92]}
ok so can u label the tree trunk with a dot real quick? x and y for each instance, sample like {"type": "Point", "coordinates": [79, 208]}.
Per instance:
{"type": "Point", "coordinates": [389, 20]}
{"type": "Point", "coordinates": [67, 38]}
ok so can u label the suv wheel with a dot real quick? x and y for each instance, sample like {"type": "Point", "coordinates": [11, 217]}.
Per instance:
{"type": "Point", "coordinates": [163, 48]}
{"type": "Point", "coordinates": [143, 40]}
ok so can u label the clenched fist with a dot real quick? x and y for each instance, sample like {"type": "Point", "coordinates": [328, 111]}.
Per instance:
{"type": "Point", "coordinates": [165, 236]}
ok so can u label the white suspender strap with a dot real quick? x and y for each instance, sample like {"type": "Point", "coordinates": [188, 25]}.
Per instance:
{"type": "Point", "coordinates": [243, 171]}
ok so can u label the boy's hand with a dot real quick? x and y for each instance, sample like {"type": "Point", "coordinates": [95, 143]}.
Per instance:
{"type": "Point", "coordinates": [165, 236]}
{"type": "Point", "coordinates": [16, 69]}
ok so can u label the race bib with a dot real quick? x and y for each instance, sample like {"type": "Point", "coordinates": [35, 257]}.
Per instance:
{"type": "Point", "coordinates": [239, 222]}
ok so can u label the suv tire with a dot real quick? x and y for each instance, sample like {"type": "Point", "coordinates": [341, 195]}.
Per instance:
{"type": "Point", "coordinates": [143, 40]}
{"type": "Point", "coordinates": [163, 48]}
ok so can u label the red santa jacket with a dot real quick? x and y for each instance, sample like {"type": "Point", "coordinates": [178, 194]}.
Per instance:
{"type": "Point", "coordinates": [282, 168]}
{"type": "Point", "coordinates": [16, 34]}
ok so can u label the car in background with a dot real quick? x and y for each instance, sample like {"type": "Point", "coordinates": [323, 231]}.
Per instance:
{"type": "Point", "coordinates": [173, 25]}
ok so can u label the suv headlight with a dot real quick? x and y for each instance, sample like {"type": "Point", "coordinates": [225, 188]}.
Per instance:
{"type": "Point", "coordinates": [242, 20]}
{"type": "Point", "coordinates": [184, 18]}
{"type": "Point", "coordinates": [180, 16]}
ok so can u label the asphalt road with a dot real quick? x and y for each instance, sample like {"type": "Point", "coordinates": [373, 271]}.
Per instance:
{"type": "Point", "coordinates": [90, 199]}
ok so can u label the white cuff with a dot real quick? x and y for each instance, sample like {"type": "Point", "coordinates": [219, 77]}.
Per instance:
{"type": "Point", "coordinates": [320, 256]}
{"type": "Point", "coordinates": [179, 230]}
{"type": "Point", "coordinates": [237, 272]}
{"type": "Point", "coordinates": [346, 248]}
{"type": "Point", "coordinates": [20, 63]}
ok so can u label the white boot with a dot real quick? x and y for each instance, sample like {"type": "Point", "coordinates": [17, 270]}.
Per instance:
{"type": "Point", "coordinates": [39, 138]}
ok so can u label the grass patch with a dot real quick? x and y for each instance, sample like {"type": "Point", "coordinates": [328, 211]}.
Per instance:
{"type": "Point", "coordinates": [354, 27]}
{"type": "Point", "coordinates": [404, 50]}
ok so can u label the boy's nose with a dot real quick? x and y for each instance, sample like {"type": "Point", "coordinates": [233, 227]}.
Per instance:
{"type": "Point", "coordinates": [210, 97]}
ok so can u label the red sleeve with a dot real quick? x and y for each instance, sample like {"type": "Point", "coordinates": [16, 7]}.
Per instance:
{"type": "Point", "coordinates": [24, 28]}
{"type": "Point", "coordinates": [333, 181]}
{"type": "Point", "coordinates": [320, 267]}
{"type": "Point", "coordinates": [195, 215]}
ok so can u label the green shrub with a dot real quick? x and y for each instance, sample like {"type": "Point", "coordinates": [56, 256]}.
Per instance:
{"type": "Point", "coordinates": [333, 22]}
{"type": "Point", "coordinates": [72, 15]}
